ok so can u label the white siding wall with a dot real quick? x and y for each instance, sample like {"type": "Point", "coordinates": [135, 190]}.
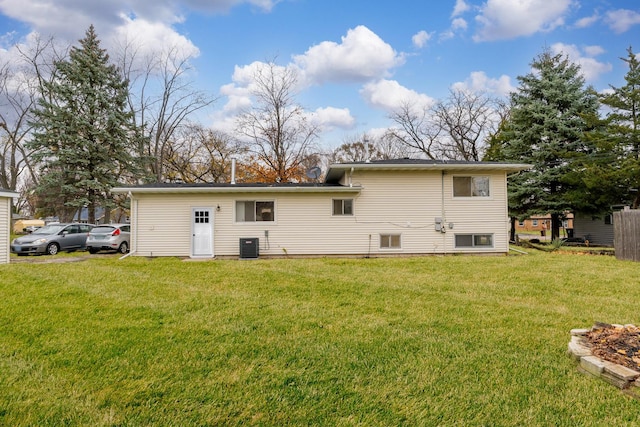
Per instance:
{"type": "Point", "coordinates": [5, 227]}
{"type": "Point", "coordinates": [404, 203]}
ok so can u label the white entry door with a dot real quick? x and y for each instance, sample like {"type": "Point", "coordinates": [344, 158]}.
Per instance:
{"type": "Point", "coordinates": [202, 230]}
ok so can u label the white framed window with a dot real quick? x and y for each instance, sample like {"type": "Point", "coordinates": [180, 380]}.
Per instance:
{"type": "Point", "coordinates": [255, 211]}
{"type": "Point", "coordinates": [534, 222]}
{"type": "Point", "coordinates": [342, 206]}
{"type": "Point", "coordinates": [390, 241]}
{"type": "Point", "coordinates": [474, 240]}
{"type": "Point", "coordinates": [471, 186]}
{"type": "Point", "coordinates": [521, 223]}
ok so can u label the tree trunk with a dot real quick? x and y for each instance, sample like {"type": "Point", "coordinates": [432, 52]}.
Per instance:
{"type": "Point", "coordinates": [555, 226]}
{"type": "Point", "coordinates": [512, 232]}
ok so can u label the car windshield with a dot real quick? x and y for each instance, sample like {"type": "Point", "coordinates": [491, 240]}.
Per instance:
{"type": "Point", "coordinates": [103, 230]}
{"type": "Point", "coordinates": [49, 229]}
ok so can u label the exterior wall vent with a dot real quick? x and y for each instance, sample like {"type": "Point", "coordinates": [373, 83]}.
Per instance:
{"type": "Point", "coordinates": [249, 248]}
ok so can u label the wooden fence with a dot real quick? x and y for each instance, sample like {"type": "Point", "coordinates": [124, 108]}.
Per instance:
{"type": "Point", "coordinates": [626, 239]}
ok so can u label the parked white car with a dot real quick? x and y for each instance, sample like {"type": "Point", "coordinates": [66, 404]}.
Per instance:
{"type": "Point", "coordinates": [109, 237]}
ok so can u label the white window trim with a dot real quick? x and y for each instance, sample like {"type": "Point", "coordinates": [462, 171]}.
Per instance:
{"type": "Point", "coordinates": [254, 223]}
{"type": "Point", "coordinates": [490, 196]}
{"type": "Point", "coordinates": [493, 242]}
{"type": "Point", "coordinates": [343, 215]}
{"type": "Point", "coordinates": [399, 248]}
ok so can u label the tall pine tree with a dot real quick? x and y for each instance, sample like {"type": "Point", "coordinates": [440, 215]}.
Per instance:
{"type": "Point", "coordinates": [546, 128]}
{"type": "Point", "coordinates": [622, 124]}
{"type": "Point", "coordinates": [82, 130]}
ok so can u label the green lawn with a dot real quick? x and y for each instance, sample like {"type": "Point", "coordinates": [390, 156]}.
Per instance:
{"type": "Point", "coordinates": [456, 340]}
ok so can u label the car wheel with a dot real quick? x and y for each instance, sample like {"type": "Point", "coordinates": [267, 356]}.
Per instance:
{"type": "Point", "coordinates": [93, 251]}
{"type": "Point", "coordinates": [52, 248]}
{"type": "Point", "coordinates": [123, 248]}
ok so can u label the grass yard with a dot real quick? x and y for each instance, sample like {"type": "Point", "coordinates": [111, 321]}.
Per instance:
{"type": "Point", "coordinates": [456, 340]}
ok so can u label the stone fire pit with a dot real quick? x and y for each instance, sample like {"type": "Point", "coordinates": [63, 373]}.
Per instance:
{"type": "Point", "coordinates": [617, 351]}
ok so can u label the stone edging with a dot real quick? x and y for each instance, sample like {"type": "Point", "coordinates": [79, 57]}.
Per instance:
{"type": "Point", "coordinates": [620, 376]}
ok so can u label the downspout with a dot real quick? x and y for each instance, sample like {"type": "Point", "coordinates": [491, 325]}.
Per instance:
{"type": "Point", "coordinates": [350, 178]}
{"type": "Point", "coordinates": [134, 211]}
{"type": "Point", "coordinates": [444, 219]}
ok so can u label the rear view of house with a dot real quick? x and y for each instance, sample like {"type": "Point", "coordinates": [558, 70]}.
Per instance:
{"type": "Point", "coordinates": [377, 208]}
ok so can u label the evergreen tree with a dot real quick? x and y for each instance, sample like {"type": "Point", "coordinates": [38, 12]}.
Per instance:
{"type": "Point", "coordinates": [622, 137]}
{"type": "Point", "coordinates": [82, 128]}
{"type": "Point", "coordinates": [546, 128]}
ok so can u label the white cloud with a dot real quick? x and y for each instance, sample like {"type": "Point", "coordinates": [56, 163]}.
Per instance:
{"type": "Point", "coordinates": [389, 95]}
{"type": "Point", "coordinates": [68, 19]}
{"type": "Point", "coordinates": [330, 118]}
{"type": "Point", "coordinates": [446, 35]}
{"type": "Point", "coordinates": [479, 82]}
{"type": "Point", "coordinates": [420, 39]}
{"type": "Point", "coordinates": [458, 24]}
{"type": "Point", "coordinates": [507, 19]}
{"type": "Point", "coordinates": [593, 50]}
{"type": "Point", "coordinates": [149, 38]}
{"type": "Point", "coordinates": [361, 56]}
{"type": "Point", "coordinates": [622, 19]}
{"type": "Point", "coordinates": [591, 68]}
{"type": "Point", "coordinates": [460, 8]}
{"type": "Point", "coordinates": [587, 21]}
{"type": "Point", "coordinates": [239, 91]}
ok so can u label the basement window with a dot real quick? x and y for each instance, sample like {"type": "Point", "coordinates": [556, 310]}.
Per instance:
{"type": "Point", "coordinates": [389, 241]}
{"type": "Point", "coordinates": [255, 211]}
{"type": "Point", "coordinates": [474, 240]}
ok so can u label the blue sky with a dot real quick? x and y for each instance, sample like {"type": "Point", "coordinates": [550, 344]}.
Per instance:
{"type": "Point", "coordinates": [357, 60]}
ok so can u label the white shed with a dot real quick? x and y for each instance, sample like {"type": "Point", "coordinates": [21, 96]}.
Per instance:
{"type": "Point", "coordinates": [5, 224]}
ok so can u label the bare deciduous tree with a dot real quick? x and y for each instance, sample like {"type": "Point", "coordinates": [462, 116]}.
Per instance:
{"type": "Point", "coordinates": [162, 97]}
{"type": "Point", "coordinates": [276, 128]}
{"type": "Point", "coordinates": [467, 119]}
{"type": "Point", "coordinates": [454, 129]}
{"type": "Point", "coordinates": [416, 130]}
{"type": "Point", "coordinates": [201, 155]}
{"type": "Point", "coordinates": [23, 71]}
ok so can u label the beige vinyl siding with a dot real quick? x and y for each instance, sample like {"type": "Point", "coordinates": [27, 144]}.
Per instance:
{"type": "Point", "coordinates": [479, 215]}
{"type": "Point", "coordinates": [5, 227]}
{"type": "Point", "coordinates": [402, 202]}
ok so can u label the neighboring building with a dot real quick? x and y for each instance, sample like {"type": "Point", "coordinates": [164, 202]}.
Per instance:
{"type": "Point", "coordinates": [5, 224]}
{"type": "Point", "coordinates": [597, 230]}
{"type": "Point", "coordinates": [22, 225]}
{"type": "Point", "coordinates": [541, 225]}
{"type": "Point", "coordinates": [377, 208]}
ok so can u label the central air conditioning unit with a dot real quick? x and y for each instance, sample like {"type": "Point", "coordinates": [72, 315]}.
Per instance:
{"type": "Point", "coordinates": [249, 248]}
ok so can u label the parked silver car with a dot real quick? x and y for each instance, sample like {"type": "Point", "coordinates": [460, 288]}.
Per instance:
{"type": "Point", "coordinates": [52, 238]}
{"type": "Point", "coordinates": [109, 237]}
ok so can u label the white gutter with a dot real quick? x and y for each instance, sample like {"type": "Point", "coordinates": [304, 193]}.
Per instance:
{"type": "Point", "coordinates": [511, 167]}
{"type": "Point", "coordinates": [237, 189]}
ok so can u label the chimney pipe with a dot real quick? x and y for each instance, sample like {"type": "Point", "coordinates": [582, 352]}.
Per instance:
{"type": "Point", "coordinates": [233, 171]}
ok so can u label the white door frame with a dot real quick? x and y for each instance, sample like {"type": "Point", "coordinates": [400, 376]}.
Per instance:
{"type": "Point", "coordinates": [202, 232]}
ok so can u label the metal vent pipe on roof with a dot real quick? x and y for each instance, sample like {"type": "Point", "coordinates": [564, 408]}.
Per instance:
{"type": "Point", "coordinates": [233, 170]}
